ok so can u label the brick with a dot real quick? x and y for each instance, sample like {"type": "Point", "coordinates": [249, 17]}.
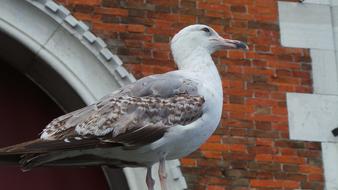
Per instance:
{"type": "Point", "coordinates": [316, 177]}
{"type": "Point", "coordinates": [264, 157]}
{"type": "Point", "coordinates": [261, 101]}
{"type": "Point", "coordinates": [135, 28]}
{"type": "Point", "coordinates": [87, 2]}
{"type": "Point", "coordinates": [111, 11]}
{"type": "Point", "coordinates": [290, 168]}
{"type": "Point", "coordinates": [238, 92]}
{"type": "Point", "coordinates": [162, 9]}
{"type": "Point", "coordinates": [309, 153]}
{"type": "Point", "coordinates": [137, 13]}
{"type": "Point", "coordinates": [263, 175]}
{"type": "Point", "coordinates": [275, 183]}
{"type": "Point", "coordinates": [241, 155]}
{"type": "Point", "coordinates": [135, 20]}
{"type": "Point", "coordinates": [157, 46]}
{"type": "Point", "coordinates": [214, 187]}
{"type": "Point", "coordinates": [290, 176]}
{"type": "Point", "coordinates": [238, 8]}
{"type": "Point", "coordinates": [161, 38]}
{"type": "Point", "coordinates": [238, 132]}
{"type": "Point", "coordinates": [218, 14]}
{"type": "Point", "coordinates": [312, 185]}
{"type": "Point", "coordinates": [212, 154]}
{"type": "Point", "coordinates": [236, 54]}
{"type": "Point", "coordinates": [210, 20]}
{"type": "Point", "coordinates": [239, 183]}
{"type": "Point", "coordinates": [86, 17]}
{"type": "Point", "coordinates": [263, 166]}
{"type": "Point", "coordinates": [239, 24]}
{"type": "Point", "coordinates": [188, 4]}
{"type": "Point", "coordinates": [288, 151]}
{"type": "Point", "coordinates": [193, 12]}
{"type": "Point", "coordinates": [310, 169]}
{"type": "Point", "coordinates": [236, 100]}
{"type": "Point", "coordinates": [163, 2]}
{"type": "Point", "coordinates": [238, 108]}
{"type": "Point", "coordinates": [279, 111]}
{"type": "Point", "coordinates": [133, 43]}
{"type": "Point", "coordinates": [110, 19]}
{"type": "Point", "coordinates": [262, 94]}
{"type": "Point", "coordinates": [237, 148]}
{"type": "Point", "coordinates": [208, 6]}
{"type": "Point", "coordinates": [188, 162]}
{"type": "Point", "coordinates": [264, 142]}
{"type": "Point", "coordinates": [163, 16]}
{"type": "Point", "coordinates": [186, 19]}
{"type": "Point", "coordinates": [83, 8]}
{"type": "Point", "coordinates": [109, 27]}
{"type": "Point", "coordinates": [289, 159]}
{"type": "Point", "coordinates": [215, 147]}
{"type": "Point", "coordinates": [215, 139]}
{"type": "Point", "coordinates": [262, 25]}
{"type": "Point", "coordinates": [136, 4]}
{"type": "Point", "coordinates": [262, 110]}
{"type": "Point", "coordinates": [238, 164]}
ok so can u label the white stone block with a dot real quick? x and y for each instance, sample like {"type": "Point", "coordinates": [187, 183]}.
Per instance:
{"type": "Point", "coordinates": [322, 2]}
{"type": "Point", "coordinates": [312, 117]}
{"type": "Point", "coordinates": [335, 24]}
{"type": "Point", "coordinates": [330, 158]}
{"type": "Point", "coordinates": [305, 25]}
{"type": "Point", "coordinates": [324, 71]}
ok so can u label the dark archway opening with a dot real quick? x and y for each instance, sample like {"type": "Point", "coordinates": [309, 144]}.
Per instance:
{"type": "Point", "coordinates": [24, 110]}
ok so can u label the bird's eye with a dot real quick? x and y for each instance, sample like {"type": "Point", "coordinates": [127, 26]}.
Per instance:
{"type": "Point", "coordinates": [206, 29]}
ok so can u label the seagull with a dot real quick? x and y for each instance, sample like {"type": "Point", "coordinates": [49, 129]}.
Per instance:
{"type": "Point", "coordinates": [157, 118]}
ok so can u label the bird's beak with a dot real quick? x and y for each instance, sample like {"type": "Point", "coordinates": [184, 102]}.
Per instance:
{"type": "Point", "coordinates": [232, 44]}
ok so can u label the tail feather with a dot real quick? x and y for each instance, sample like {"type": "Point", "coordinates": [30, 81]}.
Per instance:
{"type": "Point", "coordinates": [40, 152]}
{"type": "Point", "coordinates": [12, 155]}
{"type": "Point", "coordinates": [32, 153]}
{"type": "Point", "coordinates": [22, 148]}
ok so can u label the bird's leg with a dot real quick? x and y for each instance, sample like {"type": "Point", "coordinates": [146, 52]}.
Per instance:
{"type": "Point", "coordinates": [162, 174]}
{"type": "Point", "coordinates": [149, 179]}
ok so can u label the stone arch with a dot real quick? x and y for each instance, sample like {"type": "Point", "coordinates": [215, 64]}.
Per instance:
{"type": "Point", "coordinates": [73, 66]}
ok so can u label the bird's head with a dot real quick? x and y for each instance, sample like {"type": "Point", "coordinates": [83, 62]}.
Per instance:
{"type": "Point", "coordinates": [200, 37]}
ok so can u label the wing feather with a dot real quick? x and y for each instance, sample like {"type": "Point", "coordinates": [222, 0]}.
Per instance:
{"type": "Point", "coordinates": [134, 120]}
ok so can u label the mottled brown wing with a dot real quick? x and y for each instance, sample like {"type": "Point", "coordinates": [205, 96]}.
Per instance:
{"type": "Point", "coordinates": [161, 86]}
{"type": "Point", "coordinates": [132, 121]}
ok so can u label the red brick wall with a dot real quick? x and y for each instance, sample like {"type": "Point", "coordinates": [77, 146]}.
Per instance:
{"type": "Point", "coordinates": [250, 149]}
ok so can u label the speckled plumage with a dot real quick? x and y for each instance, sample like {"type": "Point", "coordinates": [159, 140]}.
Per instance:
{"type": "Point", "coordinates": [118, 116]}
